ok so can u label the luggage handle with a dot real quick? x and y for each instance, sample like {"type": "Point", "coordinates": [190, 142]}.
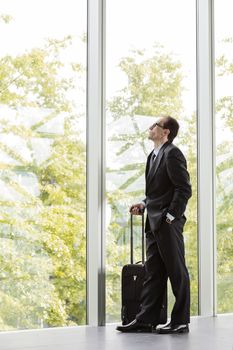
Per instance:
{"type": "Point", "coordinates": [131, 239]}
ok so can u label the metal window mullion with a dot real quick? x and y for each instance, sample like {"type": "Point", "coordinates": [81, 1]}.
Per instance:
{"type": "Point", "coordinates": [95, 163]}
{"type": "Point", "coordinates": [206, 163]}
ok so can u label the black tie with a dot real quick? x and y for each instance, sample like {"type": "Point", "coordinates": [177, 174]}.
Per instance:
{"type": "Point", "coordinates": [153, 157]}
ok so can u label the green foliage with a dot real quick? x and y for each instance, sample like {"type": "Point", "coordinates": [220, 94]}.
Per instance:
{"type": "Point", "coordinates": [154, 85]}
{"type": "Point", "coordinates": [42, 231]}
{"type": "Point", "coordinates": [5, 18]}
{"type": "Point", "coordinates": [224, 188]}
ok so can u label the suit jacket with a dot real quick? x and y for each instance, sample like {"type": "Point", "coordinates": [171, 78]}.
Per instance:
{"type": "Point", "coordinates": [167, 186]}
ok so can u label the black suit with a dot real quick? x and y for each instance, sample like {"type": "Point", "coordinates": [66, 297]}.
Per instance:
{"type": "Point", "coordinates": [167, 191]}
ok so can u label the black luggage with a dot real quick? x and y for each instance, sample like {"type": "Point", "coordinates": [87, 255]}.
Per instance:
{"type": "Point", "coordinates": [132, 282]}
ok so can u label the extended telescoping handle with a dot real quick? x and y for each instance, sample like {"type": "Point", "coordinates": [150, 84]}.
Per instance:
{"type": "Point", "coordinates": [131, 239]}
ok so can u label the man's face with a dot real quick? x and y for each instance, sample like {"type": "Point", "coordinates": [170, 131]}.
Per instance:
{"type": "Point", "coordinates": [156, 131]}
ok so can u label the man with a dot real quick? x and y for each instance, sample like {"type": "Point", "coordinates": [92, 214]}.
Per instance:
{"type": "Point", "coordinates": [167, 192]}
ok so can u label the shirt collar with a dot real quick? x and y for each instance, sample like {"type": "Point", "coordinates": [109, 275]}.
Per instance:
{"type": "Point", "coordinates": [157, 149]}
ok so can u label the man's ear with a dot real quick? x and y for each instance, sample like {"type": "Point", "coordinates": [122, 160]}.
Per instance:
{"type": "Point", "coordinates": [167, 132]}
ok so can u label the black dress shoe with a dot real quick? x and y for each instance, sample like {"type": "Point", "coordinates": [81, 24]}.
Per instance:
{"type": "Point", "coordinates": [173, 329]}
{"type": "Point", "coordinates": [136, 326]}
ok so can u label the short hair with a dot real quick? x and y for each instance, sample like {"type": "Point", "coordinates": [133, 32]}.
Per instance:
{"type": "Point", "coordinates": [172, 125]}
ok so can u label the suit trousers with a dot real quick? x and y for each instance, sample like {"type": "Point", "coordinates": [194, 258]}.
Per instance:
{"type": "Point", "coordinates": [165, 259]}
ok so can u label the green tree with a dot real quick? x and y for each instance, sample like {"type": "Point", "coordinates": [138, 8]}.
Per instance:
{"type": "Point", "coordinates": [42, 231]}
{"type": "Point", "coordinates": [224, 189]}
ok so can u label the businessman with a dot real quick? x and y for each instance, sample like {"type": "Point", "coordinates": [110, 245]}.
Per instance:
{"type": "Point", "coordinates": [167, 192]}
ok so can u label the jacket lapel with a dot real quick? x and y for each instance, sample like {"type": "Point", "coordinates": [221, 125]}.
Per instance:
{"type": "Point", "coordinates": [154, 168]}
{"type": "Point", "coordinates": [148, 164]}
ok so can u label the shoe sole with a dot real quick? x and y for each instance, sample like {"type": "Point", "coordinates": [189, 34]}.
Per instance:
{"type": "Point", "coordinates": [180, 331]}
{"type": "Point", "coordinates": [137, 330]}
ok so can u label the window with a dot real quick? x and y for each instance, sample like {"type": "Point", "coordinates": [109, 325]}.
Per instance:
{"type": "Point", "coordinates": [148, 73]}
{"type": "Point", "coordinates": [42, 164]}
{"type": "Point", "coordinates": [224, 154]}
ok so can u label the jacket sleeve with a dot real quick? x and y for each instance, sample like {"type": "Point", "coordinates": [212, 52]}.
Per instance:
{"type": "Point", "coordinates": [179, 176]}
{"type": "Point", "coordinates": [143, 201]}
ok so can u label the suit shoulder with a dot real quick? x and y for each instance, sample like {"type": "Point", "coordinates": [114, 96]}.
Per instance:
{"type": "Point", "coordinates": [174, 151]}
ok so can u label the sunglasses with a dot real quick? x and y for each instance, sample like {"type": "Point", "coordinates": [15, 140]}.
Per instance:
{"type": "Point", "coordinates": [156, 124]}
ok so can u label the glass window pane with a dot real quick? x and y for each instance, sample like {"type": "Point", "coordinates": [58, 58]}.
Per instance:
{"type": "Point", "coordinates": [151, 70]}
{"type": "Point", "coordinates": [224, 153]}
{"type": "Point", "coordinates": [42, 163]}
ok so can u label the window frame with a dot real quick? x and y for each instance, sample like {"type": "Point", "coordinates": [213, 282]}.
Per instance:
{"type": "Point", "coordinates": [96, 165]}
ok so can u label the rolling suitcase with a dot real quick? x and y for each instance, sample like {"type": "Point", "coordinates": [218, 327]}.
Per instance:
{"type": "Point", "coordinates": [132, 283]}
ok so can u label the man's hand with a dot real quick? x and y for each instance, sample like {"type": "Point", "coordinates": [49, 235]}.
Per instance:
{"type": "Point", "coordinates": [137, 209]}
